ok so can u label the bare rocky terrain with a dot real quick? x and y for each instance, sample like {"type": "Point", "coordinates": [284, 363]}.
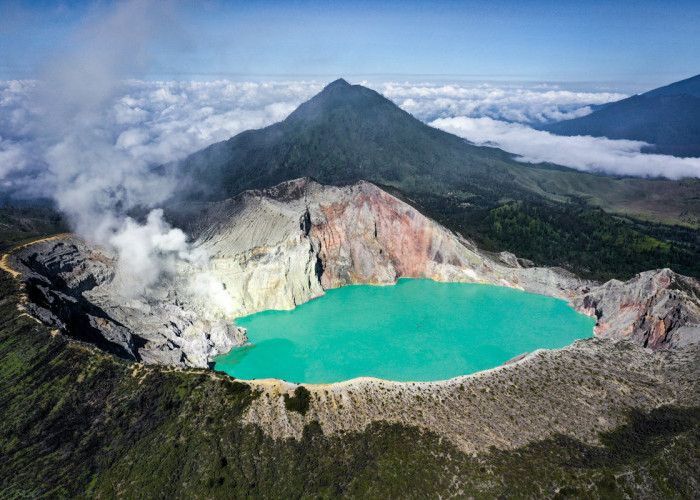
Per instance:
{"type": "Point", "coordinates": [283, 246]}
{"type": "Point", "coordinates": [69, 285]}
{"type": "Point", "coordinates": [656, 309]}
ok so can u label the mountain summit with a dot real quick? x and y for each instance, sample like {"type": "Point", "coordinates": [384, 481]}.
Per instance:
{"type": "Point", "coordinates": [344, 134]}
{"type": "Point", "coordinates": [337, 95]}
{"type": "Point", "coordinates": [340, 82]}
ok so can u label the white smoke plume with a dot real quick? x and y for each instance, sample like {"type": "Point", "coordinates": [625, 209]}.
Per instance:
{"type": "Point", "coordinates": [149, 250]}
{"type": "Point", "coordinates": [69, 145]}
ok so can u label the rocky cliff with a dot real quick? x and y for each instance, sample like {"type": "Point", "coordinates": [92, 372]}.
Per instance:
{"type": "Point", "coordinates": [283, 246]}
{"type": "Point", "coordinates": [365, 235]}
{"type": "Point", "coordinates": [68, 284]}
{"type": "Point", "coordinates": [655, 309]}
{"type": "Point", "coordinates": [280, 247]}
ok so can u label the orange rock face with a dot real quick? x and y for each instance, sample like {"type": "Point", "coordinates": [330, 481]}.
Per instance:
{"type": "Point", "coordinates": [374, 238]}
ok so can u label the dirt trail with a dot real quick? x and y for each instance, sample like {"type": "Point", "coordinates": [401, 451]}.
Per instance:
{"type": "Point", "coordinates": [5, 261]}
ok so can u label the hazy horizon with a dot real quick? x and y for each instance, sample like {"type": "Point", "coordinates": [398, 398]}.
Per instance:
{"type": "Point", "coordinates": [635, 45]}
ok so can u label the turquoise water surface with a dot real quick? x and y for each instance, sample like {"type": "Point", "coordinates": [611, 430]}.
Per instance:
{"type": "Point", "coordinates": [418, 330]}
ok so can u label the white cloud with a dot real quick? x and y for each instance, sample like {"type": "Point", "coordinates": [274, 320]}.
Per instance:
{"type": "Point", "coordinates": [129, 128]}
{"type": "Point", "coordinates": [590, 154]}
{"type": "Point", "coordinates": [516, 103]}
{"type": "Point", "coordinates": [149, 123]}
{"type": "Point", "coordinates": [13, 158]}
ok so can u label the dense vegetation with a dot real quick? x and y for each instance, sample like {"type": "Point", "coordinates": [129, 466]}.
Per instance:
{"type": "Point", "coordinates": [20, 225]}
{"type": "Point", "coordinates": [588, 242]}
{"type": "Point", "coordinates": [349, 132]}
{"type": "Point", "coordinates": [299, 402]}
{"type": "Point", "coordinates": [75, 421]}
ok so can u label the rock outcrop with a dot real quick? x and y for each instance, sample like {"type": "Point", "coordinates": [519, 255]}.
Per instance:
{"type": "Point", "coordinates": [68, 283]}
{"type": "Point", "coordinates": [365, 235]}
{"type": "Point", "coordinates": [656, 309]}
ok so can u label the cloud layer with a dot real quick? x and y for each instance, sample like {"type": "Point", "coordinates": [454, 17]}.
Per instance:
{"type": "Point", "coordinates": [134, 125]}
{"type": "Point", "coordinates": [142, 123]}
{"type": "Point", "coordinates": [513, 103]}
{"type": "Point", "coordinates": [589, 154]}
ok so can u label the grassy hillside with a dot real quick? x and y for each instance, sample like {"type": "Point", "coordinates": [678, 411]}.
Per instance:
{"type": "Point", "coordinates": [20, 225]}
{"type": "Point", "coordinates": [656, 200]}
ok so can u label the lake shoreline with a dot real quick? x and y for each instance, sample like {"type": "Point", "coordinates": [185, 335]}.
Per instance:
{"type": "Point", "coordinates": [448, 332]}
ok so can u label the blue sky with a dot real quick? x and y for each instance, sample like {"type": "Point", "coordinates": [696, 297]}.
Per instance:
{"type": "Point", "coordinates": [634, 45]}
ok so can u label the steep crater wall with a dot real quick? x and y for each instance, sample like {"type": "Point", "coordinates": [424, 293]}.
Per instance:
{"type": "Point", "coordinates": [69, 285]}
{"type": "Point", "coordinates": [283, 246]}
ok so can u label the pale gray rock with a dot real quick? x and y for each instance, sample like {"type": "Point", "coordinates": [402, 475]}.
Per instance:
{"type": "Point", "coordinates": [656, 309]}
{"type": "Point", "coordinates": [554, 281]}
{"type": "Point", "coordinates": [509, 259]}
{"type": "Point", "coordinates": [515, 359]}
{"type": "Point", "coordinates": [281, 247]}
{"type": "Point", "coordinates": [68, 284]}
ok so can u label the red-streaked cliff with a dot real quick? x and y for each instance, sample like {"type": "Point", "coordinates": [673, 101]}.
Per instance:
{"type": "Point", "coordinates": [366, 235]}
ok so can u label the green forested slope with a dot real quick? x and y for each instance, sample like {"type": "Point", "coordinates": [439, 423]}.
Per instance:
{"type": "Point", "coordinates": [587, 241]}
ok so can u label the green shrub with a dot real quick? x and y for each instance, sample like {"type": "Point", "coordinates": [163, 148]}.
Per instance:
{"type": "Point", "coordinates": [299, 402]}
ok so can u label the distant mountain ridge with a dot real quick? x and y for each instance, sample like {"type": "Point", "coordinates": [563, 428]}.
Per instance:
{"type": "Point", "coordinates": [689, 86]}
{"type": "Point", "coordinates": [667, 117]}
{"type": "Point", "coordinates": [348, 133]}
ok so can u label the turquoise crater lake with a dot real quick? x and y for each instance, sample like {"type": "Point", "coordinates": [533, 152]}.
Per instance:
{"type": "Point", "coordinates": [417, 330]}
